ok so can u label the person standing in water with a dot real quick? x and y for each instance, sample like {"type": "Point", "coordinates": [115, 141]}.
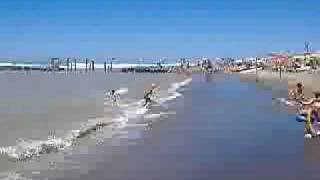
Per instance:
{"type": "Point", "coordinates": [312, 110]}
{"type": "Point", "coordinates": [114, 96]}
{"type": "Point", "coordinates": [147, 96]}
{"type": "Point", "coordinates": [297, 93]}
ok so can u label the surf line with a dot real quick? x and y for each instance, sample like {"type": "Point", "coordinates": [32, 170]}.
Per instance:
{"type": "Point", "coordinates": [27, 149]}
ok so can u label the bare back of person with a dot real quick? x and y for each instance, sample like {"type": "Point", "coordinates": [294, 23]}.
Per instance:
{"type": "Point", "coordinates": [297, 93]}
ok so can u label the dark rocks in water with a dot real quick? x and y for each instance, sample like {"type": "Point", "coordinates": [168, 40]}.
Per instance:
{"type": "Point", "coordinates": [12, 68]}
{"type": "Point", "coordinates": [50, 69]}
{"type": "Point", "coordinates": [126, 70]}
{"type": "Point", "coordinates": [27, 68]}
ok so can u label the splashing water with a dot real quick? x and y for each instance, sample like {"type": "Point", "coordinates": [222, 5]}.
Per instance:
{"type": "Point", "coordinates": [26, 149]}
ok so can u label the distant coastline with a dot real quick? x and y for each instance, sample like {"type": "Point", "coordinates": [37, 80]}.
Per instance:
{"type": "Point", "coordinates": [83, 65]}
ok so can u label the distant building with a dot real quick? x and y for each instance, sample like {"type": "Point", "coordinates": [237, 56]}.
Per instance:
{"type": "Point", "coordinates": [313, 58]}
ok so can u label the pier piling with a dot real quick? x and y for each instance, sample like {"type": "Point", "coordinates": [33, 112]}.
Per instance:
{"type": "Point", "coordinates": [67, 64]}
{"type": "Point", "coordinates": [86, 64]}
{"type": "Point", "coordinates": [75, 64]}
{"type": "Point", "coordinates": [256, 69]}
{"type": "Point", "coordinates": [92, 65]}
{"type": "Point", "coordinates": [280, 71]}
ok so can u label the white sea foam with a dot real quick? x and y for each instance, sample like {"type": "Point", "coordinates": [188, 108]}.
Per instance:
{"type": "Point", "coordinates": [308, 136]}
{"type": "Point", "coordinates": [173, 91]}
{"type": "Point", "coordinates": [13, 176]}
{"type": "Point", "coordinates": [26, 149]}
{"type": "Point", "coordinates": [113, 100]}
{"type": "Point", "coordinates": [287, 102]}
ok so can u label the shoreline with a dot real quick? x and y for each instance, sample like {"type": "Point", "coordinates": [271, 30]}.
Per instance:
{"type": "Point", "coordinates": [74, 112]}
{"type": "Point", "coordinates": [186, 142]}
{"type": "Point", "coordinates": [155, 147]}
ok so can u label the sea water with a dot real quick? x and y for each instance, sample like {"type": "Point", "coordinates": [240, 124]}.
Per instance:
{"type": "Point", "coordinates": [45, 115]}
{"type": "Point", "coordinates": [210, 127]}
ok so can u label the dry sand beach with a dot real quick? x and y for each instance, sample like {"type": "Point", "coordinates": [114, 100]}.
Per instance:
{"type": "Point", "coordinates": [310, 81]}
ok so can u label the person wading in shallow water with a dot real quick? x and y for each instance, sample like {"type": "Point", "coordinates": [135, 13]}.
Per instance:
{"type": "Point", "coordinates": [147, 96]}
{"type": "Point", "coordinates": [312, 109]}
{"type": "Point", "coordinates": [297, 93]}
{"type": "Point", "coordinates": [114, 96]}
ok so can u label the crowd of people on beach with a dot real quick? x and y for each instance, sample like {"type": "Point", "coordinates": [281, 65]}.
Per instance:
{"type": "Point", "coordinates": [158, 69]}
{"type": "Point", "coordinates": [309, 111]}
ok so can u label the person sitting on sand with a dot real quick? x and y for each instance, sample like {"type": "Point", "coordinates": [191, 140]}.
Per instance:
{"type": "Point", "coordinates": [312, 109]}
{"type": "Point", "coordinates": [147, 96]}
{"type": "Point", "coordinates": [297, 93]}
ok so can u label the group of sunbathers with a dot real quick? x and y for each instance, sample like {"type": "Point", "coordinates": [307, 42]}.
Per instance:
{"type": "Point", "coordinates": [311, 108]}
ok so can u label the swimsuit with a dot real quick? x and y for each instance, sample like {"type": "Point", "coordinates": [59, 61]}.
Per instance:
{"type": "Point", "coordinates": [114, 97]}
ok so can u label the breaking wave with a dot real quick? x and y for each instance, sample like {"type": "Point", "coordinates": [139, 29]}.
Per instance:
{"type": "Point", "coordinates": [26, 149]}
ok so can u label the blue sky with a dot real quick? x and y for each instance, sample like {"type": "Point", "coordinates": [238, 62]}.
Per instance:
{"type": "Point", "coordinates": [38, 29]}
